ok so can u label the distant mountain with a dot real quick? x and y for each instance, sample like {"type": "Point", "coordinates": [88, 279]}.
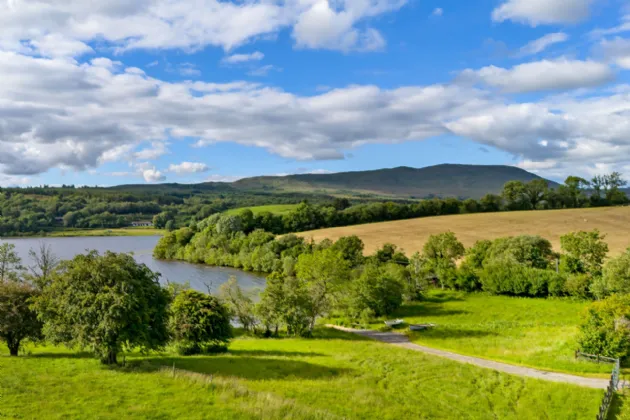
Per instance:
{"type": "Point", "coordinates": [461, 181]}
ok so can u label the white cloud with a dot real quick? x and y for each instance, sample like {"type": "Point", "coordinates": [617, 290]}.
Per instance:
{"type": "Point", "coordinates": [157, 150]}
{"type": "Point", "coordinates": [539, 45]}
{"type": "Point", "coordinates": [438, 11]}
{"type": "Point", "coordinates": [188, 168]}
{"type": "Point", "coordinates": [263, 70]}
{"type": "Point", "coordinates": [543, 12]}
{"type": "Point", "coordinates": [331, 27]}
{"type": "Point", "coordinates": [57, 113]}
{"type": "Point", "coordinates": [542, 75]}
{"type": "Point", "coordinates": [243, 58]}
{"type": "Point", "coordinates": [153, 175]}
{"type": "Point", "coordinates": [617, 50]}
{"type": "Point", "coordinates": [185, 24]}
{"type": "Point", "coordinates": [223, 178]}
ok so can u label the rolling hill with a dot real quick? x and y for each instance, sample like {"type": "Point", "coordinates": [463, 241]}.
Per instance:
{"type": "Point", "coordinates": [447, 180]}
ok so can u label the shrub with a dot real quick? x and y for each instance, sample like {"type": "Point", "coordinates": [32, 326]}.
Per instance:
{"type": "Point", "coordinates": [507, 277]}
{"type": "Point", "coordinates": [616, 278]}
{"type": "Point", "coordinates": [200, 323]}
{"type": "Point", "coordinates": [578, 285]}
{"type": "Point", "coordinates": [605, 329]}
{"type": "Point", "coordinates": [17, 320]}
{"type": "Point", "coordinates": [376, 291]}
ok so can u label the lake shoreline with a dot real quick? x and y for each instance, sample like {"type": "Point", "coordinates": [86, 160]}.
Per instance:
{"type": "Point", "coordinates": [79, 233]}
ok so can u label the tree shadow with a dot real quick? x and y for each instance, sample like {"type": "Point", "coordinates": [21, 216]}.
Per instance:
{"type": "Point", "coordinates": [449, 333]}
{"type": "Point", "coordinates": [427, 309]}
{"type": "Point", "coordinates": [254, 368]}
{"type": "Point", "coordinates": [272, 353]}
{"type": "Point", "coordinates": [443, 297]}
{"type": "Point", "coordinates": [326, 333]}
{"type": "Point", "coordinates": [62, 355]}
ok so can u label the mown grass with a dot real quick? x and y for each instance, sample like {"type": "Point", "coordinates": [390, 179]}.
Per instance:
{"type": "Point", "coordinates": [273, 208]}
{"type": "Point", "coordinates": [333, 376]}
{"type": "Point", "coordinates": [139, 231]}
{"type": "Point", "coordinates": [539, 333]}
{"type": "Point", "coordinates": [412, 234]}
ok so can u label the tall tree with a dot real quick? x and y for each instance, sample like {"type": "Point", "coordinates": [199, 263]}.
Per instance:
{"type": "Point", "coordinates": [584, 252]}
{"type": "Point", "coordinates": [44, 264]}
{"type": "Point", "coordinates": [536, 191]}
{"type": "Point", "coordinates": [441, 252]}
{"type": "Point", "coordinates": [575, 187]}
{"type": "Point", "coordinates": [514, 194]}
{"type": "Point", "coordinates": [107, 303]}
{"type": "Point", "coordinates": [10, 263]}
{"type": "Point", "coordinates": [323, 273]}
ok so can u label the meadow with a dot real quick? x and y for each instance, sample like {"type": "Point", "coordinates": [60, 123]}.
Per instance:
{"type": "Point", "coordinates": [278, 209]}
{"type": "Point", "coordinates": [333, 376]}
{"type": "Point", "coordinates": [411, 234]}
{"type": "Point", "coordinates": [538, 333]}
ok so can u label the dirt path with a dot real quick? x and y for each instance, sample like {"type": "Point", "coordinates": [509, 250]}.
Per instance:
{"type": "Point", "coordinates": [401, 340]}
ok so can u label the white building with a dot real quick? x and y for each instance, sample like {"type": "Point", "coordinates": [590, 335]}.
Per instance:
{"type": "Point", "coordinates": [142, 223]}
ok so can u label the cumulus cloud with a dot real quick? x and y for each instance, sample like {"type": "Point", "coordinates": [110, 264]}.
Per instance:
{"type": "Point", "coordinates": [543, 12]}
{"type": "Point", "coordinates": [617, 50]}
{"type": "Point", "coordinates": [57, 113]}
{"type": "Point", "coordinates": [539, 45]}
{"type": "Point", "coordinates": [183, 24]}
{"type": "Point", "coordinates": [153, 175]}
{"type": "Point", "coordinates": [188, 168]}
{"type": "Point", "coordinates": [243, 58]}
{"type": "Point", "coordinates": [542, 75]}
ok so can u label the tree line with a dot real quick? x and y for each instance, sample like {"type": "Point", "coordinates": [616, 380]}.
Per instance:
{"type": "Point", "coordinates": [516, 195]}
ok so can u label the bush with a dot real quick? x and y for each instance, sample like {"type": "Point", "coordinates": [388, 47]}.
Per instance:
{"type": "Point", "coordinates": [200, 323]}
{"type": "Point", "coordinates": [579, 285]}
{"type": "Point", "coordinates": [376, 292]}
{"type": "Point", "coordinates": [506, 277]}
{"type": "Point", "coordinates": [17, 320]}
{"type": "Point", "coordinates": [605, 329]}
{"type": "Point", "coordinates": [616, 277]}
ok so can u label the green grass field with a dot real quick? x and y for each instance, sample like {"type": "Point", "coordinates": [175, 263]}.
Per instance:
{"type": "Point", "coordinates": [333, 376]}
{"type": "Point", "coordinates": [274, 208]}
{"type": "Point", "coordinates": [139, 231]}
{"type": "Point", "coordinates": [539, 333]}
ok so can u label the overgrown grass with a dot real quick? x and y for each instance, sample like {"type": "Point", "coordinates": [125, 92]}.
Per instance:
{"type": "Point", "coordinates": [335, 375]}
{"type": "Point", "coordinates": [139, 231]}
{"type": "Point", "coordinates": [540, 333]}
{"type": "Point", "coordinates": [273, 208]}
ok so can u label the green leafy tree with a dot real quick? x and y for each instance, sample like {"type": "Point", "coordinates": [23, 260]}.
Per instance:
{"type": "Point", "coordinates": [491, 203]}
{"type": "Point", "coordinates": [514, 193]}
{"type": "Point", "coordinates": [441, 252]}
{"type": "Point", "coordinates": [324, 273]}
{"type": "Point", "coordinates": [239, 303]}
{"type": "Point", "coordinates": [106, 303]}
{"type": "Point", "coordinates": [351, 249]}
{"type": "Point", "coordinates": [605, 328]}
{"type": "Point", "coordinates": [529, 250]}
{"type": "Point", "coordinates": [170, 226]}
{"type": "Point", "coordinates": [375, 292]}
{"type": "Point", "coordinates": [575, 189]}
{"type": "Point", "coordinates": [536, 190]}
{"type": "Point", "coordinates": [616, 277]}
{"type": "Point", "coordinates": [10, 263]}
{"type": "Point", "coordinates": [199, 322]}
{"type": "Point", "coordinates": [18, 321]}
{"type": "Point", "coordinates": [584, 252]}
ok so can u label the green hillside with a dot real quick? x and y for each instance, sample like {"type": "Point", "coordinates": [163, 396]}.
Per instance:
{"type": "Point", "coordinates": [465, 181]}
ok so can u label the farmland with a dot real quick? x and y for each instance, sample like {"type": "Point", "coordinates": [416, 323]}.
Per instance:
{"type": "Point", "coordinates": [411, 235]}
{"type": "Point", "coordinates": [334, 375]}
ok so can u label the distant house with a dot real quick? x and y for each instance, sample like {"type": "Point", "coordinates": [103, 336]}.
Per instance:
{"type": "Point", "coordinates": [142, 223]}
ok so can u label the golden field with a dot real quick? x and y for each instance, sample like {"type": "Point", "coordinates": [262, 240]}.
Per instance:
{"type": "Point", "coordinates": [411, 234]}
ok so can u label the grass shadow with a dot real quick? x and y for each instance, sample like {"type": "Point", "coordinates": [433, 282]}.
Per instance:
{"type": "Point", "coordinates": [417, 309]}
{"type": "Point", "coordinates": [452, 333]}
{"type": "Point", "coordinates": [273, 353]}
{"type": "Point", "coordinates": [62, 355]}
{"type": "Point", "coordinates": [253, 368]}
{"type": "Point", "coordinates": [326, 333]}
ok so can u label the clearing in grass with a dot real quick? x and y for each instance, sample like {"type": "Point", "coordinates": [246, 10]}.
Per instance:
{"type": "Point", "coordinates": [278, 209]}
{"type": "Point", "coordinates": [335, 375]}
{"type": "Point", "coordinates": [411, 234]}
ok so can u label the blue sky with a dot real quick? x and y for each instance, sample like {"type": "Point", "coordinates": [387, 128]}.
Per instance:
{"type": "Point", "coordinates": [196, 90]}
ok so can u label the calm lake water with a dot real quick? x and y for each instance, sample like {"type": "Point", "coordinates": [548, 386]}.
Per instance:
{"type": "Point", "coordinates": [142, 247]}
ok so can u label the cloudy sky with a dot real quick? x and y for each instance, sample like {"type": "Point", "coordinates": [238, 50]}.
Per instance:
{"type": "Point", "coordinates": [109, 92]}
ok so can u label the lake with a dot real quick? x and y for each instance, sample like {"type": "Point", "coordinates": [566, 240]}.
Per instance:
{"type": "Point", "coordinates": [200, 277]}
